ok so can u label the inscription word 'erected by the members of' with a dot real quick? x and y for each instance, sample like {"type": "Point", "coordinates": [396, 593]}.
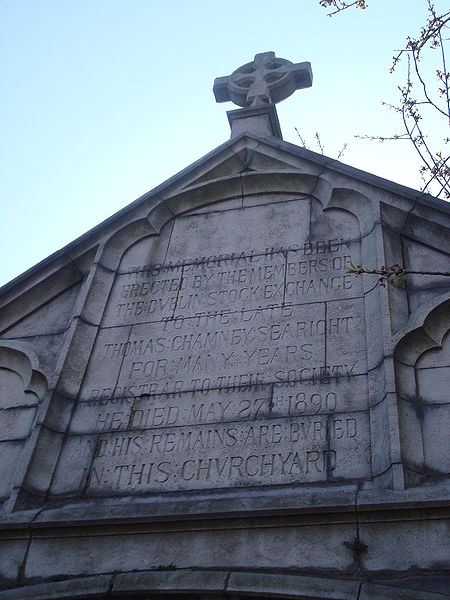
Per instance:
{"type": "Point", "coordinates": [229, 370]}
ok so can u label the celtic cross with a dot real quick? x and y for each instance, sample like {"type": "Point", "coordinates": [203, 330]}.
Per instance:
{"type": "Point", "coordinates": [265, 80]}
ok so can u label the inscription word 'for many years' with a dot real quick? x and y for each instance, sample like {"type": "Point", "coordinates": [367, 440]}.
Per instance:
{"type": "Point", "coordinates": [231, 370]}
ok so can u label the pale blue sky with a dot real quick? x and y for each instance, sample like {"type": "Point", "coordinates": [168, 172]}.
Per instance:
{"type": "Point", "coordinates": [104, 99]}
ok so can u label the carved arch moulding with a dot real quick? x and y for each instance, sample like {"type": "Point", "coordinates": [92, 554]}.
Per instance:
{"type": "Point", "coordinates": [422, 365]}
{"type": "Point", "coordinates": [22, 392]}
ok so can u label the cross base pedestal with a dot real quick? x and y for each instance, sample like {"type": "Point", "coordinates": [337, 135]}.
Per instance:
{"type": "Point", "coordinates": [259, 120]}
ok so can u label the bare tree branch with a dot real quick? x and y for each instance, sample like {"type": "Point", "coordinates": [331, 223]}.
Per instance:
{"type": "Point", "coordinates": [420, 93]}
{"type": "Point", "coordinates": [395, 274]}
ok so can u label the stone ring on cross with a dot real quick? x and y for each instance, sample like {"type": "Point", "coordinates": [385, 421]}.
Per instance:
{"type": "Point", "coordinates": [267, 79]}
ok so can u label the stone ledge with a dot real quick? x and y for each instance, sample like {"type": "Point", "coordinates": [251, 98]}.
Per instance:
{"type": "Point", "coordinates": [227, 584]}
{"type": "Point", "coordinates": [80, 587]}
{"type": "Point", "coordinates": [292, 586]}
{"type": "Point", "coordinates": [169, 581]}
{"type": "Point", "coordinates": [319, 501]}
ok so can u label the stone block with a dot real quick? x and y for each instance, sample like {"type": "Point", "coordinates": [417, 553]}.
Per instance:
{"type": "Point", "coordinates": [236, 454]}
{"type": "Point", "coordinates": [380, 439]}
{"type": "Point", "coordinates": [335, 223]}
{"type": "Point", "coordinates": [232, 204]}
{"type": "Point", "coordinates": [12, 390]}
{"type": "Point", "coordinates": [433, 385]}
{"type": "Point", "coordinates": [375, 344]}
{"type": "Point", "coordinates": [10, 453]}
{"type": "Point", "coordinates": [146, 252]}
{"type": "Point", "coordinates": [50, 318]}
{"type": "Point", "coordinates": [350, 441]}
{"type": "Point", "coordinates": [316, 271]}
{"type": "Point", "coordinates": [321, 393]}
{"type": "Point", "coordinates": [49, 348]}
{"type": "Point", "coordinates": [406, 381]}
{"type": "Point", "coordinates": [43, 461]}
{"type": "Point", "coordinates": [249, 231]}
{"type": "Point", "coordinates": [140, 412]}
{"type": "Point", "coordinates": [377, 385]}
{"type": "Point", "coordinates": [59, 412]}
{"type": "Point", "coordinates": [36, 291]}
{"type": "Point", "coordinates": [76, 359]}
{"type": "Point", "coordinates": [346, 333]}
{"type": "Point", "coordinates": [171, 581]}
{"type": "Point", "coordinates": [440, 584]}
{"type": "Point", "coordinates": [436, 358]}
{"type": "Point", "coordinates": [73, 464]}
{"type": "Point", "coordinates": [372, 591]}
{"type": "Point", "coordinates": [422, 543]}
{"type": "Point", "coordinates": [79, 587]}
{"type": "Point", "coordinates": [16, 423]}
{"type": "Point", "coordinates": [242, 548]}
{"type": "Point", "coordinates": [268, 183]}
{"type": "Point", "coordinates": [227, 349]}
{"type": "Point", "coordinates": [436, 439]}
{"type": "Point", "coordinates": [97, 296]}
{"type": "Point", "coordinates": [260, 199]}
{"type": "Point", "coordinates": [144, 295]}
{"type": "Point", "coordinates": [201, 195]}
{"type": "Point", "coordinates": [292, 586]}
{"type": "Point", "coordinates": [158, 216]}
{"type": "Point", "coordinates": [12, 554]}
{"type": "Point", "coordinates": [411, 435]}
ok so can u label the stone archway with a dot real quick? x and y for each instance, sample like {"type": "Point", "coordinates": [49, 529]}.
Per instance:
{"type": "Point", "coordinates": [22, 389]}
{"type": "Point", "coordinates": [422, 363]}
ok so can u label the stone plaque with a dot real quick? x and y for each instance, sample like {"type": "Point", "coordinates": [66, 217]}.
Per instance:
{"type": "Point", "coordinates": [237, 357]}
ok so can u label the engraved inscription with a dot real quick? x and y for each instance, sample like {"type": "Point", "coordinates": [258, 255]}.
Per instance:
{"type": "Point", "coordinates": [227, 370]}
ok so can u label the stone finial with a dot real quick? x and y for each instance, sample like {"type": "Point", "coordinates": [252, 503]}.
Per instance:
{"type": "Point", "coordinates": [265, 80]}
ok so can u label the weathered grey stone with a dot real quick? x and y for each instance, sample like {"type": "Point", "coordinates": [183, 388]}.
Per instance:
{"type": "Point", "coordinates": [76, 359]}
{"type": "Point", "coordinates": [43, 461]}
{"type": "Point", "coordinates": [289, 586]}
{"type": "Point", "coordinates": [261, 120]}
{"type": "Point", "coordinates": [370, 591]}
{"type": "Point", "coordinates": [266, 79]}
{"type": "Point", "coordinates": [421, 542]}
{"type": "Point", "coordinates": [16, 423]}
{"type": "Point", "coordinates": [10, 451]}
{"type": "Point", "coordinates": [205, 194]}
{"type": "Point", "coordinates": [431, 583]}
{"type": "Point", "coordinates": [169, 581]}
{"type": "Point", "coordinates": [37, 290]}
{"type": "Point", "coordinates": [241, 548]}
{"type": "Point", "coordinates": [12, 554]}
{"type": "Point", "coordinates": [274, 183]}
{"type": "Point", "coordinates": [380, 439]}
{"type": "Point", "coordinates": [199, 398]}
{"type": "Point", "coordinates": [84, 587]}
{"type": "Point", "coordinates": [436, 438]}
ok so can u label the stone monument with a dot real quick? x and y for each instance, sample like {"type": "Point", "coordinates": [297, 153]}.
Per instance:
{"type": "Point", "coordinates": [198, 399]}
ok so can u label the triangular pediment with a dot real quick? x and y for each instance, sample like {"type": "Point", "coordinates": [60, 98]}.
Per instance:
{"type": "Point", "coordinates": [242, 168]}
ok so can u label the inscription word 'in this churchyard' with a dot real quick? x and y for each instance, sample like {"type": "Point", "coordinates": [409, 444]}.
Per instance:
{"type": "Point", "coordinates": [230, 370]}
